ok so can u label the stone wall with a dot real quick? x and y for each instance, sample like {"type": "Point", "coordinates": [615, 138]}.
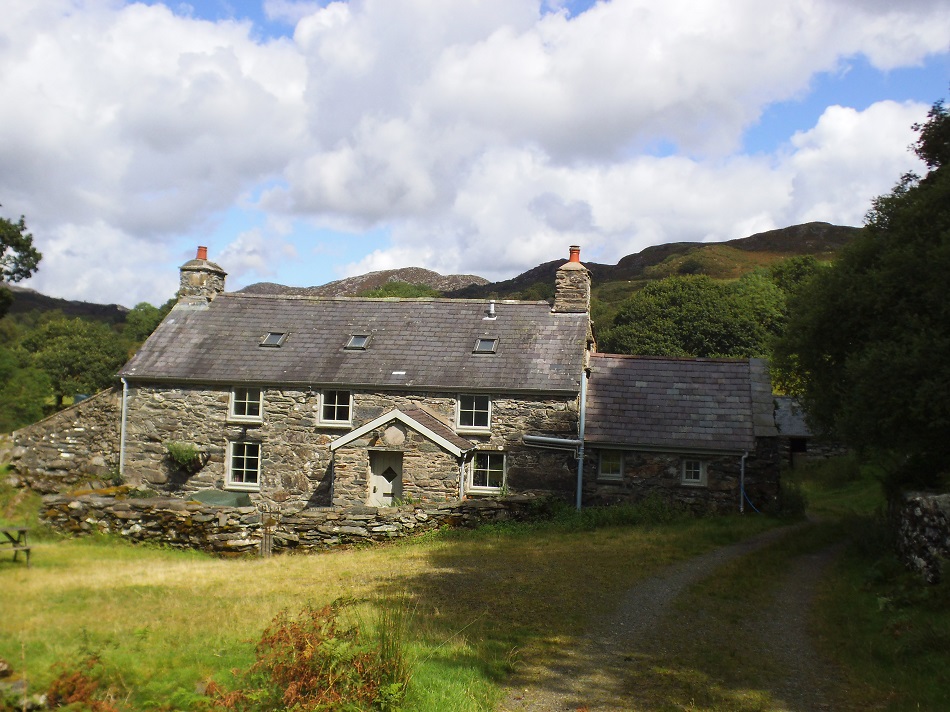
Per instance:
{"type": "Point", "coordinates": [181, 523]}
{"type": "Point", "coordinates": [77, 444]}
{"type": "Point", "coordinates": [923, 534]}
{"type": "Point", "coordinates": [296, 459]}
{"type": "Point", "coordinates": [652, 473]}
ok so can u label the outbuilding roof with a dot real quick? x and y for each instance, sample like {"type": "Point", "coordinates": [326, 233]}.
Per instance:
{"type": "Point", "coordinates": [715, 405]}
{"type": "Point", "coordinates": [436, 344]}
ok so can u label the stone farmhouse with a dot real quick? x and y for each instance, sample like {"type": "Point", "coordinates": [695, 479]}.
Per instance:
{"type": "Point", "coordinates": [309, 402]}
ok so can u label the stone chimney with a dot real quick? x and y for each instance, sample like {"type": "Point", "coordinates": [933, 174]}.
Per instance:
{"type": "Point", "coordinates": [572, 285]}
{"type": "Point", "coordinates": [201, 278]}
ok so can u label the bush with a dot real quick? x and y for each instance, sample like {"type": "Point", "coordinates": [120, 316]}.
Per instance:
{"type": "Point", "coordinates": [186, 455]}
{"type": "Point", "coordinates": [317, 661]}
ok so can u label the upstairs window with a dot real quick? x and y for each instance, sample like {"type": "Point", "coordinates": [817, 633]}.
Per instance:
{"type": "Point", "coordinates": [485, 346]}
{"type": "Point", "coordinates": [474, 412]}
{"type": "Point", "coordinates": [274, 339]}
{"type": "Point", "coordinates": [244, 465]}
{"type": "Point", "coordinates": [357, 342]}
{"type": "Point", "coordinates": [487, 473]}
{"type": "Point", "coordinates": [694, 473]}
{"type": "Point", "coordinates": [336, 408]}
{"type": "Point", "coordinates": [247, 404]}
{"type": "Point", "coordinates": [610, 467]}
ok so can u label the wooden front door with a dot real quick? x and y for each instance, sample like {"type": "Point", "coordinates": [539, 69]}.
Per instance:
{"type": "Point", "coordinates": [385, 479]}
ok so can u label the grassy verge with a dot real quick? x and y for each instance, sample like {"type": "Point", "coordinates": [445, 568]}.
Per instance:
{"type": "Point", "coordinates": [162, 623]}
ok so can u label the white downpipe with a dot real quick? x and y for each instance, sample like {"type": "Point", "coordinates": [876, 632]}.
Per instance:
{"type": "Point", "coordinates": [742, 483]}
{"type": "Point", "coordinates": [125, 398]}
{"type": "Point", "coordinates": [580, 437]}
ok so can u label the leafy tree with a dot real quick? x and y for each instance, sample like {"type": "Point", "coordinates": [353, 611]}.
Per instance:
{"type": "Point", "coordinates": [23, 390]}
{"type": "Point", "coordinates": [697, 316]}
{"type": "Point", "coordinates": [403, 290]}
{"type": "Point", "coordinates": [18, 258]}
{"type": "Point", "coordinates": [868, 341]}
{"type": "Point", "coordinates": [142, 320]}
{"type": "Point", "coordinates": [77, 355]}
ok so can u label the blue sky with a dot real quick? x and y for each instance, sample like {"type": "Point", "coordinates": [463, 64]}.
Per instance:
{"type": "Point", "coordinates": [303, 142]}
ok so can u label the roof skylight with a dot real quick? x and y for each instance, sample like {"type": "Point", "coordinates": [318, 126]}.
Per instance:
{"type": "Point", "coordinates": [357, 342]}
{"type": "Point", "coordinates": [274, 338]}
{"type": "Point", "coordinates": [485, 346]}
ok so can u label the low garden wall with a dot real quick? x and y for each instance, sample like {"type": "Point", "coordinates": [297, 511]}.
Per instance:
{"type": "Point", "coordinates": [923, 534]}
{"type": "Point", "coordinates": [190, 524]}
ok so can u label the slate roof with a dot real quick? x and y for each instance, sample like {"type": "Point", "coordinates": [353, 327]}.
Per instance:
{"type": "Point", "coordinates": [715, 405]}
{"type": "Point", "coordinates": [790, 418]}
{"type": "Point", "coordinates": [414, 343]}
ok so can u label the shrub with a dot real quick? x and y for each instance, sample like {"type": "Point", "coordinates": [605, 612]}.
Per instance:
{"type": "Point", "coordinates": [186, 455]}
{"type": "Point", "coordinates": [317, 661]}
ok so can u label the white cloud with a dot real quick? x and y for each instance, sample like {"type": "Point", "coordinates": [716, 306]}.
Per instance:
{"type": "Point", "coordinates": [484, 135]}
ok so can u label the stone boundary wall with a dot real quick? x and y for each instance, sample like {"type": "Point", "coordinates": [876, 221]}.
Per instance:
{"type": "Point", "coordinates": [74, 445]}
{"type": "Point", "coordinates": [923, 534]}
{"type": "Point", "coordinates": [237, 530]}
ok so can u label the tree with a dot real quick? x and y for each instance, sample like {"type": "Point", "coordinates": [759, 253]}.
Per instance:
{"type": "Point", "coordinates": [18, 258]}
{"type": "Point", "coordinates": [77, 355]}
{"type": "Point", "coordinates": [24, 390]}
{"type": "Point", "coordinates": [404, 290]}
{"type": "Point", "coordinates": [868, 341]}
{"type": "Point", "coordinates": [142, 320]}
{"type": "Point", "coordinates": [698, 316]}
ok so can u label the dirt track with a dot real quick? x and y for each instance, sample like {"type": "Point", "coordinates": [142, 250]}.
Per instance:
{"type": "Point", "coordinates": [595, 675]}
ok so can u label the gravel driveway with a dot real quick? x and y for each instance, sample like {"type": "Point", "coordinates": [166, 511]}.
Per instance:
{"type": "Point", "coordinates": [591, 675]}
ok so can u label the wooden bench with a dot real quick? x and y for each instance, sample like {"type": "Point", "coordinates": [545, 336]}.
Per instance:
{"type": "Point", "coordinates": [14, 539]}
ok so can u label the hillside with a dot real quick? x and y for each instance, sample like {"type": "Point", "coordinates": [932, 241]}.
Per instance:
{"type": "Point", "coordinates": [352, 286]}
{"type": "Point", "coordinates": [611, 283]}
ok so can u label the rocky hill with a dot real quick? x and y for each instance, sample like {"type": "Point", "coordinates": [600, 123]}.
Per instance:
{"type": "Point", "coordinates": [352, 286]}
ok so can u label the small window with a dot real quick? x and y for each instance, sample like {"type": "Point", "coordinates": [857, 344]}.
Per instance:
{"type": "Point", "coordinates": [474, 412]}
{"type": "Point", "coordinates": [244, 465]}
{"type": "Point", "coordinates": [694, 473]}
{"type": "Point", "coordinates": [486, 346]}
{"type": "Point", "coordinates": [336, 408]}
{"type": "Point", "coordinates": [247, 404]}
{"type": "Point", "coordinates": [274, 338]}
{"type": "Point", "coordinates": [357, 342]}
{"type": "Point", "coordinates": [610, 467]}
{"type": "Point", "coordinates": [487, 472]}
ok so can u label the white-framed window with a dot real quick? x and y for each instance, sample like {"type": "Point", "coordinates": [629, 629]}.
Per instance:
{"type": "Point", "coordinates": [473, 412]}
{"type": "Point", "coordinates": [247, 404]}
{"type": "Point", "coordinates": [486, 473]}
{"type": "Point", "coordinates": [694, 473]}
{"type": "Point", "coordinates": [610, 465]}
{"type": "Point", "coordinates": [336, 407]}
{"type": "Point", "coordinates": [244, 465]}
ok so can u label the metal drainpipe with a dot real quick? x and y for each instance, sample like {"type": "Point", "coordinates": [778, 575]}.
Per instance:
{"type": "Point", "coordinates": [580, 448]}
{"type": "Point", "coordinates": [742, 482]}
{"type": "Point", "coordinates": [461, 478]}
{"type": "Point", "coordinates": [125, 397]}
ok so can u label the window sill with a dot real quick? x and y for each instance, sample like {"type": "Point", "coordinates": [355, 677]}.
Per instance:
{"type": "Point", "coordinates": [610, 480]}
{"type": "Point", "coordinates": [693, 484]}
{"type": "Point", "coordinates": [468, 430]}
{"type": "Point", "coordinates": [482, 491]}
{"type": "Point", "coordinates": [244, 421]}
{"type": "Point", "coordinates": [335, 424]}
{"type": "Point", "coordinates": [240, 487]}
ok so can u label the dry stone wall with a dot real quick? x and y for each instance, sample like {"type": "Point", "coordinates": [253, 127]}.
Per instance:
{"type": "Point", "coordinates": [923, 534]}
{"type": "Point", "coordinates": [77, 444]}
{"type": "Point", "coordinates": [181, 523]}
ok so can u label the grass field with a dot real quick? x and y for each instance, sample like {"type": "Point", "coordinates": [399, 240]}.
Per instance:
{"type": "Point", "coordinates": [163, 622]}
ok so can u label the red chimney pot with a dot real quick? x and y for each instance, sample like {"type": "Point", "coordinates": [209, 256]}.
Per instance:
{"type": "Point", "coordinates": [202, 253]}
{"type": "Point", "coordinates": [575, 254]}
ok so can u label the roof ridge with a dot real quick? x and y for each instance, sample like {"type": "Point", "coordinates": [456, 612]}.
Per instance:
{"type": "Point", "coordinates": [322, 298]}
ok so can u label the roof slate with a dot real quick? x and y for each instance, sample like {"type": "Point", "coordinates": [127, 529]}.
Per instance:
{"type": "Point", "coordinates": [678, 404]}
{"type": "Point", "coordinates": [415, 344]}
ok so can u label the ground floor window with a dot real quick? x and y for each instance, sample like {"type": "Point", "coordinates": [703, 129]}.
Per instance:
{"type": "Point", "coordinates": [694, 473]}
{"type": "Point", "coordinates": [244, 465]}
{"type": "Point", "coordinates": [487, 472]}
{"type": "Point", "coordinates": [610, 466]}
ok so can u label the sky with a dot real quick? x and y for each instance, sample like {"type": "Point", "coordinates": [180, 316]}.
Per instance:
{"type": "Point", "coordinates": [306, 141]}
